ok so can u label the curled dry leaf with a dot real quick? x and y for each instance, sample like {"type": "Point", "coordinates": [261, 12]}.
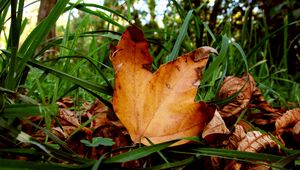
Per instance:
{"type": "Point", "coordinates": [159, 106]}
{"type": "Point", "coordinates": [296, 132]}
{"type": "Point", "coordinates": [67, 117]}
{"type": "Point", "coordinates": [236, 137]}
{"type": "Point", "coordinates": [249, 96]}
{"type": "Point", "coordinates": [229, 87]}
{"type": "Point", "coordinates": [104, 115]}
{"type": "Point", "coordinates": [290, 118]}
{"type": "Point", "coordinates": [69, 123]}
{"type": "Point", "coordinates": [63, 132]}
{"type": "Point", "coordinates": [289, 123]}
{"type": "Point", "coordinates": [252, 141]}
{"type": "Point", "coordinates": [65, 102]}
{"type": "Point", "coordinates": [215, 126]}
{"type": "Point", "coordinates": [255, 141]}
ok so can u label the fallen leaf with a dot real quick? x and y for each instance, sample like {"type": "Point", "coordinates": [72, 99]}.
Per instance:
{"type": "Point", "coordinates": [249, 96]}
{"type": "Point", "coordinates": [69, 122]}
{"type": "Point", "coordinates": [233, 165]}
{"type": "Point", "coordinates": [159, 106]}
{"type": "Point", "coordinates": [216, 126]}
{"type": "Point", "coordinates": [68, 117]}
{"type": "Point", "coordinates": [251, 141]}
{"type": "Point", "coordinates": [296, 132]}
{"type": "Point", "coordinates": [64, 131]}
{"type": "Point", "coordinates": [288, 124]}
{"type": "Point", "coordinates": [104, 115]}
{"type": "Point", "coordinates": [65, 102]}
{"type": "Point", "coordinates": [232, 85]}
{"type": "Point", "coordinates": [236, 137]}
{"type": "Point", "coordinates": [290, 118]}
{"type": "Point", "coordinates": [255, 141]}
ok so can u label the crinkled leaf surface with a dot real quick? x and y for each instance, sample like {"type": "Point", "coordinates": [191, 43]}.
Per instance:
{"type": "Point", "coordinates": [159, 106]}
{"type": "Point", "coordinates": [215, 127]}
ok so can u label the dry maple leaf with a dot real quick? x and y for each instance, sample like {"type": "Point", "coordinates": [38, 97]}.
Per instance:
{"type": "Point", "coordinates": [159, 106]}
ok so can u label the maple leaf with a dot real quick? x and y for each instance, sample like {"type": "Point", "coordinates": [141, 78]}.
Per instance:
{"type": "Point", "coordinates": [157, 106]}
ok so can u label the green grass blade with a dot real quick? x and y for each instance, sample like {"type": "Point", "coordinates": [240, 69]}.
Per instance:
{"type": "Point", "coordinates": [283, 162]}
{"type": "Point", "coordinates": [233, 154]}
{"type": "Point", "coordinates": [209, 31]}
{"type": "Point", "coordinates": [9, 164]}
{"type": "Point", "coordinates": [34, 39]}
{"type": "Point", "coordinates": [180, 38]}
{"type": "Point", "coordinates": [128, 9]}
{"type": "Point", "coordinates": [245, 32]}
{"type": "Point", "coordinates": [218, 60]}
{"type": "Point", "coordinates": [25, 110]}
{"type": "Point", "coordinates": [244, 57]}
{"type": "Point", "coordinates": [75, 80]}
{"type": "Point", "coordinates": [267, 37]}
{"type": "Point", "coordinates": [284, 60]}
{"type": "Point", "coordinates": [4, 4]}
{"type": "Point", "coordinates": [91, 61]}
{"type": "Point", "coordinates": [98, 162]}
{"type": "Point", "coordinates": [13, 42]}
{"type": "Point", "coordinates": [179, 8]}
{"type": "Point", "coordinates": [100, 14]}
{"type": "Point", "coordinates": [83, 125]}
{"type": "Point", "coordinates": [138, 153]}
{"type": "Point", "coordinates": [100, 7]}
{"type": "Point", "coordinates": [173, 164]}
{"type": "Point", "coordinates": [54, 138]}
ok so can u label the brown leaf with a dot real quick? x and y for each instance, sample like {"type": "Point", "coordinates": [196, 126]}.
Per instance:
{"type": "Point", "coordinates": [290, 118]}
{"type": "Point", "coordinates": [215, 126]}
{"type": "Point", "coordinates": [65, 102]}
{"type": "Point", "coordinates": [68, 117]}
{"type": "Point", "coordinates": [105, 115]}
{"type": "Point", "coordinates": [229, 87]}
{"type": "Point", "coordinates": [288, 124]}
{"type": "Point", "coordinates": [236, 137]}
{"type": "Point", "coordinates": [233, 165]}
{"type": "Point", "coordinates": [249, 97]}
{"type": "Point", "coordinates": [252, 141]}
{"type": "Point", "coordinates": [296, 132]}
{"type": "Point", "coordinates": [157, 106]}
{"type": "Point", "coordinates": [255, 141]}
{"type": "Point", "coordinates": [63, 132]}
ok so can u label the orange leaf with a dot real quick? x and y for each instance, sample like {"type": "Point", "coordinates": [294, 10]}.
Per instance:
{"type": "Point", "coordinates": [159, 106]}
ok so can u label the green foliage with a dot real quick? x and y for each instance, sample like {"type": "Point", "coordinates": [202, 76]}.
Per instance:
{"type": "Point", "coordinates": [97, 141]}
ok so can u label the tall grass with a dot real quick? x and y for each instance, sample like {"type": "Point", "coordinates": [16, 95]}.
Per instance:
{"type": "Point", "coordinates": [82, 69]}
